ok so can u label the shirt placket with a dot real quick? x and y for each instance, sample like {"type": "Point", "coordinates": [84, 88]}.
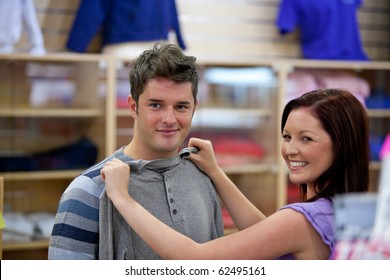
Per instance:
{"type": "Point", "coordinates": [173, 206]}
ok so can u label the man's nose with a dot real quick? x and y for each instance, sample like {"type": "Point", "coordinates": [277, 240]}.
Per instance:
{"type": "Point", "coordinates": [169, 116]}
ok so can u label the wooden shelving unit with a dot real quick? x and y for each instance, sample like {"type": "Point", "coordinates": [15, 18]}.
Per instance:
{"type": "Point", "coordinates": [27, 128]}
{"type": "Point", "coordinates": [94, 114]}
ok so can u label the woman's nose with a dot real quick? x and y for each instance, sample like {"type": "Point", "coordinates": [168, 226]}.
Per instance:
{"type": "Point", "coordinates": [291, 148]}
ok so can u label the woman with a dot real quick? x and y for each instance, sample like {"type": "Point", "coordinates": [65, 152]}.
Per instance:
{"type": "Point", "coordinates": [325, 146]}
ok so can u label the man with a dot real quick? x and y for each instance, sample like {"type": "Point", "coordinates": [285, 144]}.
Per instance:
{"type": "Point", "coordinates": [164, 86]}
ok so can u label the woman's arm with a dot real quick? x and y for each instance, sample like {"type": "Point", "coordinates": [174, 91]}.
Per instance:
{"type": "Point", "coordinates": [286, 231]}
{"type": "Point", "coordinates": [243, 212]}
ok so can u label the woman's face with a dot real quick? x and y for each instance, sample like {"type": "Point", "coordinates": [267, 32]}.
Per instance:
{"type": "Point", "coordinates": [306, 148]}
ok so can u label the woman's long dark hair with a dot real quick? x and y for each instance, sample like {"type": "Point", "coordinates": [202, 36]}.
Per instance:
{"type": "Point", "coordinates": [345, 120]}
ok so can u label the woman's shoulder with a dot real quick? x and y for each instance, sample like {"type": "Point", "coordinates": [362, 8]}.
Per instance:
{"type": "Point", "coordinates": [320, 214]}
{"type": "Point", "coordinates": [324, 205]}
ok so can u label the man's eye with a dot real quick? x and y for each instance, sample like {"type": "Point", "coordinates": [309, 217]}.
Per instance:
{"type": "Point", "coordinates": [155, 105]}
{"type": "Point", "coordinates": [182, 107]}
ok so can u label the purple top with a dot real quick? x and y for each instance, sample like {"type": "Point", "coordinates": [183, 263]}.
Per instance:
{"type": "Point", "coordinates": [320, 214]}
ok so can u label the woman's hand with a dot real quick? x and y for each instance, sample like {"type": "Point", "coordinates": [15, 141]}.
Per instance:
{"type": "Point", "coordinates": [205, 158]}
{"type": "Point", "coordinates": [116, 174]}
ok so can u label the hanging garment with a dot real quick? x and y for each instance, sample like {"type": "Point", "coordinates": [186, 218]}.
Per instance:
{"type": "Point", "coordinates": [87, 226]}
{"type": "Point", "coordinates": [175, 192]}
{"type": "Point", "coordinates": [16, 15]}
{"type": "Point", "coordinates": [124, 21]}
{"type": "Point", "coordinates": [328, 29]}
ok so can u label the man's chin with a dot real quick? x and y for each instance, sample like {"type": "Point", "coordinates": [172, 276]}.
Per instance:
{"type": "Point", "coordinates": [169, 150]}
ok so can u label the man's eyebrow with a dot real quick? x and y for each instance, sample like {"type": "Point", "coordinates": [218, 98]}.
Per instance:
{"type": "Point", "coordinates": [184, 102]}
{"type": "Point", "coordinates": [155, 100]}
{"type": "Point", "coordinates": [161, 101]}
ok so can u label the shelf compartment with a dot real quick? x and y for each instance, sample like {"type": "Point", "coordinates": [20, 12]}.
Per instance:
{"type": "Point", "coordinates": [52, 113]}
{"type": "Point", "coordinates": [250, 169]}
{"type": "Point", "coordinates": [378, 113]}
{"type": "Point", "coordinates": [40, 175]}
{"type": "Point", "coordinates": [26, 245]}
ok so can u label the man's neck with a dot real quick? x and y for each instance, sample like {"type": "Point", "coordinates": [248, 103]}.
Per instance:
{"type": "Point", "coordinates": [135, 151]}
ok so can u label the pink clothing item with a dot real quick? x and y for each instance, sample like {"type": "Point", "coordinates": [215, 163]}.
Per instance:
{"type": "Point", "coordinates": [385, 149]}
{"type": "Point", "coordinates": [345, 80]}
{"type": "Point", "coordinates": [304, 80]}
{"type": "Point", "coordinates": [299, 82]}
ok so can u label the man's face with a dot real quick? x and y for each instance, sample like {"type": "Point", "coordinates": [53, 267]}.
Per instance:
{"type": "Point", "coordinates": [162, 118]}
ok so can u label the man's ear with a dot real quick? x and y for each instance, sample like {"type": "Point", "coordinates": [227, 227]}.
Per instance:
{"type": "Point", "coordinates": [132, 106]}
{"type": "Point", "coordinates": [195, 106]}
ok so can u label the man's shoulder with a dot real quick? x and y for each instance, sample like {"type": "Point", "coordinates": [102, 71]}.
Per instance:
{"type": "Point", "coordinates": [89, 180]}
{"type": "Point", "coordinates": [93, 172]}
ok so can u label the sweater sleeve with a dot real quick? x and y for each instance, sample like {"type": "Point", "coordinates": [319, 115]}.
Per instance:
{"type": "Point", "coordinates": [35, 36]}
{"type": "Point", "coordinates": [89, 18]}
{"type": "Point", "coordinates": [287, 19]}
{"type": "Point", "coordinates": [75, 231]}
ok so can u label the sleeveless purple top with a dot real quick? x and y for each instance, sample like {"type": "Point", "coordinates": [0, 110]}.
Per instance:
{"type": "Point", "coordinates": [320, 215]}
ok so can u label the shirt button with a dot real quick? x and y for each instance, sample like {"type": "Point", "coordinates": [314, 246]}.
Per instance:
{"type": "Point", "coordinates": [171, 200]}
{"type": "Point", "coordinates": [174, 211]}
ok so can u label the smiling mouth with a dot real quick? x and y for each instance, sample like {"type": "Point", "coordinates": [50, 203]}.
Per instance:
{"type": "Point", "coordinates": [168, 131]}
{"type": "Point", "coordinates": [297, 164]}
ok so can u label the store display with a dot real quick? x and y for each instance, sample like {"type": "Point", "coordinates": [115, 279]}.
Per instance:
{"type": "Point", "coordinates": [246, 136]}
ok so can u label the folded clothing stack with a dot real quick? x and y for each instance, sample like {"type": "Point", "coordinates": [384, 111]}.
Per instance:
{"type": "Point", "coordinates": [27, 227]}
{"type": "Point", "coordinates": [80, 154]}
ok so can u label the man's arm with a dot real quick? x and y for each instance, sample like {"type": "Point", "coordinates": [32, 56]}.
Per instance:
{"type": "Point", "coordinates": [75, 232]}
